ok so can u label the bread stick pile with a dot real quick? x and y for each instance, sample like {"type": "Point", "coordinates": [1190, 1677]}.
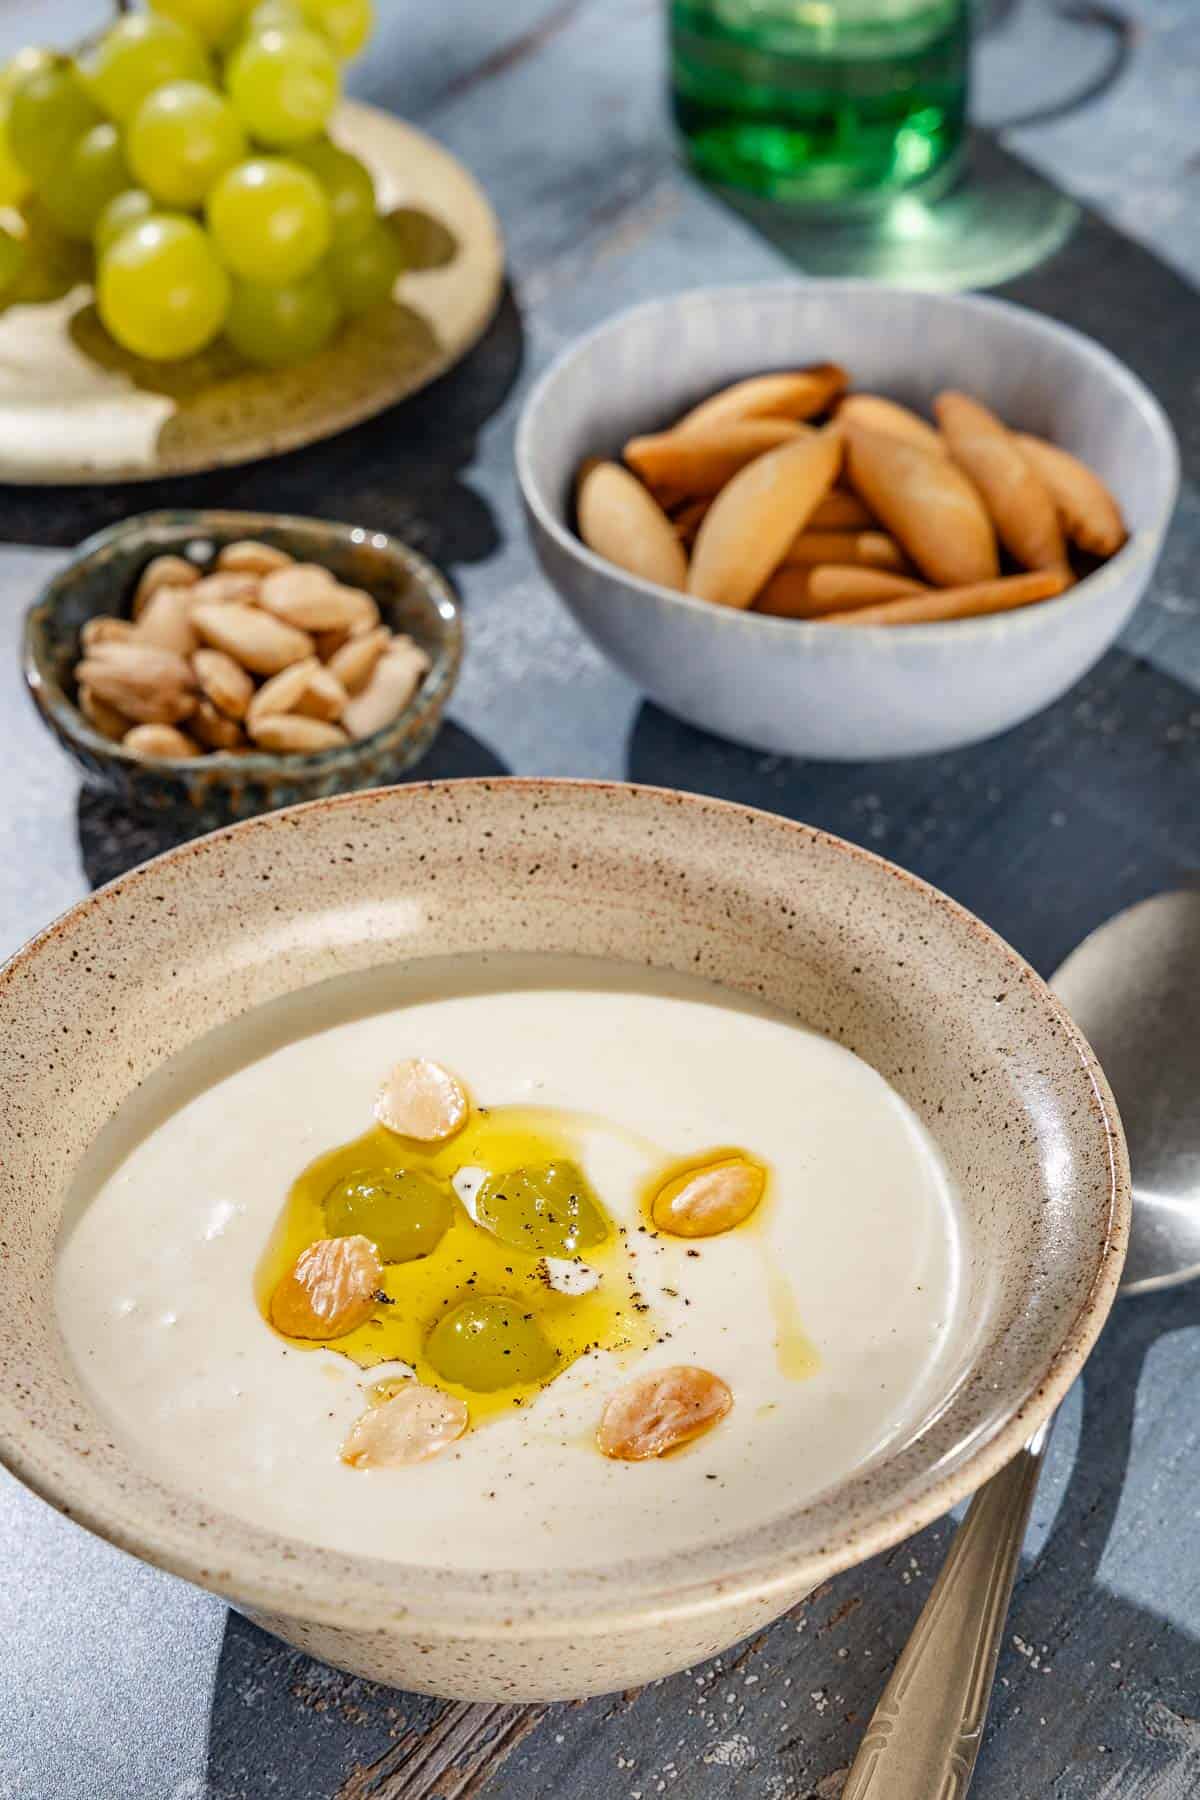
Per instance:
{"type": "Point", "coordinates": [784, 494]}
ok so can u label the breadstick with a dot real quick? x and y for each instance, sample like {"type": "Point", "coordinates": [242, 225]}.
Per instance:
{"type": "Point", "coordinates": [752, 521]}
{"type": "Point", "coordinates": [841, 510]}
{"type": "Point", "coordinates": [874, 548]}
{"type": "Point", "coordinates": [1090, 515]}
{"type": "Point", "coordinates": [927, 503]}
{"type": "Point", "coordinates": [795, 394]}
{"type": "Point", "coordinates": [890, 419]}
{"type": "Point", "coordinates": [1022, 510]}
{"type": "Point", "coordinates": [796, 592]}
{"type": "Point", "coordinates": [620, 521]}
{"type": "Point", "coordinates": [1002, 595]}
{"type": "Point", "coordinates": [678, 465]}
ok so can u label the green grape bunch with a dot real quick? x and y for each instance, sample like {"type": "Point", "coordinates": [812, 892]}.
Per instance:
{"type": "Point", "coordinates": [187, 149]}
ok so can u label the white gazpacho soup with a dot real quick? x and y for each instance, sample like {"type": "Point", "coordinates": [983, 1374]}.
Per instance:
{"type": "Point", "coordinates": [497, 1261]}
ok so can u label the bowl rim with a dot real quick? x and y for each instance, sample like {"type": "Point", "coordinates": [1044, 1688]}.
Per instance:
{"type": "Point", "coordinates": [370, 1593]}
{"type": "Point", "coordinates": [1141, 545]}
{"type": "Point", "coordinates": [52, 699]}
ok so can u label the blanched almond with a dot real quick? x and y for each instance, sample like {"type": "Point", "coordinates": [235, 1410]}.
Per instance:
{"type": "Point", "coordinates": [622, 522]}
{"type": "Point", "coordinates": [324, 697]}
{"type": "Point", "coordinates": [215, 729]}
{"type": "Point", "coordinates": [223, 681]}
{"type": "Point", "coordinates": [795, 394]}
{"type": "Point", "coordinates": [394, 680]}
{"type": "Point", "coordinates": [1090, 515]}
{"type": "Point", "coordinates": [355, 658]}
{"type": "Point", "coordinates": [892, 420]}
{"type": "Point", "coordinates": [656, 1413]}
{"type": "Point", "coordinates": [685, 465]}
{"type": "Point", "coordinates": [160, 741]}
{"type": "Point", "coordinates": [706, 1202]}
{"type": "Point", "coordinates": [220, 589]}
{"type": "Point", "coordinates": [249, 557]}
{"type": "Point", "coordinates": [105, 628]}
{"type": "Point", "coordinates": [148, 685]}
{"type": "Point", "coordinates": [166, 620]}
{"type": "Point", "coordinates": [927, 503]}
{"type": "Point", "coordinates": [163, 571]}
{"type": "Point", "coordinates": [251, 637]}
{"type": "Point", "coordinates": [753, 520]}
{"type": "Point", "coordinates": [331, 1289]}
{"type": "Point", "coordinates": [1019, 501]}
{"type": "Point", "coordinates": [417, 1423]}
{"type": "Point", "coordinates": [306, 595]}
{"type": "Point", "coordinates": [281, 692]}
{"type": "Point", "coordinates": [289, 732]}
{"type": "Point", "coordinates": [422, 1100]}
{"type": "Point", "coordinates": [107, 720]}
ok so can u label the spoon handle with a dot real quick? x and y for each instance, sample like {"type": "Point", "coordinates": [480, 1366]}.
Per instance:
{"type": "Point", "coordinates": [926, 1731]}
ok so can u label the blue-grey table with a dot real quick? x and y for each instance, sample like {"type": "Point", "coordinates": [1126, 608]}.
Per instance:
{"type": "Point", "coordinates": [120, 1683]}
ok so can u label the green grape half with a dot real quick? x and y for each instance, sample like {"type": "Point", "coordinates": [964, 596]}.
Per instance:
{"type": "Point", "coordinates": [270, 220]}
{"type": "Point", "coordinates": [47, 110]}
{"type": "Point", "coordinates": [284, 84]}
{"type": "Point", "coordinates": [181, 140]}
{"type": "Point", "coordinates": [348, 184]}
{"type": "Point", "coordinates": [364, 272]}
{"type": "Point", "coordinates": [346, 23]}
{"type": "Point", "coordinates": [126, 209]}
{"type": "Point", "coordinates": [85, 180]}
{"type": "Point", "coordinates": [143, 51]}
{"type": "Point", "coordinates": [404, 1212]}
{"type": "Point", "coordinates": [546, 1209]}
{"type": "Point", "coordinates": [161, 289]}
{"type": "Point", "coordinates": [213, 21]}
{"type": "Point", "coordinates": [487, 1343]}
{"type": "Point", "coordinates": [13, 258]}
{"type": "Point", "coordinates": [272, 326]}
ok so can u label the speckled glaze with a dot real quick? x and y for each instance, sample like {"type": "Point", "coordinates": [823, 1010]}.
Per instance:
{"type": "Point", "coordinates": [213, 790]}
{"type": "Point", "coordinates": [851, 945]}
{"type": "Point", "coordinates": [824, 689]}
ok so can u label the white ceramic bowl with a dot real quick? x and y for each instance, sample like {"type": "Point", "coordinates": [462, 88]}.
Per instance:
{"type": "Point", "coordinates": [822, 689]}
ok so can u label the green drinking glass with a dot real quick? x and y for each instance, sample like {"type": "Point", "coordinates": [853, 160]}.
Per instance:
{"type": "Point", "coordinates": [836, 105]}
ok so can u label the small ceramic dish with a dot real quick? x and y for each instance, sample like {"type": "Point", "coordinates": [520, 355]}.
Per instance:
{"type": "Point", "coordinates": [847, 944]}
{"type": "Point", "coordinates": [821, 688]}
{"type": "Point", "coordinates": [213, 789]}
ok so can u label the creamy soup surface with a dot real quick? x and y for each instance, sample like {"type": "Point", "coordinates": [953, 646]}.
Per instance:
{"type": "Point", "coordinates": [834, 1314]}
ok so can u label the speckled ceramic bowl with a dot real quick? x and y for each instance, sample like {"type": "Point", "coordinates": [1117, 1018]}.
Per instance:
{"type": "Point", "coordinates": [847, 943]}
{"type": "Point", "coordinates": [214, 789]}
{"type": "Point", "coordinates": [824, 689]}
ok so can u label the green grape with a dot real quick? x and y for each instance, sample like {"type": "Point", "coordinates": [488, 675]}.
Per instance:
{"type": "Point", "coordinates": [488, 1343]}
{"type": "Point", "coordinates": [404, 1212]}
{"type": "Point", "coordinates": [364, 272]}
{"type": "Point", "coordinates": [346, 23]}
{"type": "Point", "coordinates": [213, 21]}
{"type": "Point", "coordinates": [127, 209]}
{"type": "Point", "coordinates": [270, 220]}
{"type": "Point", "coordinates": [284, 84]}
{"type": "Point", "coordinates": [13, 257]}
{"type": "Point", "coordinates": [81, 184]}
{"type": "Point", "coordinates": [48, 109]}
{"type": "Point", "coordinates": [548, 1209]}
{"type": "Point", "coordinates": [181, 140]}
{"type": "Point", "coordinates": [277, 325]}
{"type": "Point", "coordinates": [23, 63]}
{"type": "Point", "coordinates": [161, 289]}
{"type": "Point", "coordinates": [272, 12]}
{"type": "Point", "coordinates": [143, 51]}
{"type": "Point", "coordinates": [347, 182]}
{"type": "Point", "coordinates": [14, 181]}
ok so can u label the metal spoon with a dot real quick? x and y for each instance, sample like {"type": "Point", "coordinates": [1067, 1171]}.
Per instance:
{"type": "Point", "coordinates": [1133, 987]}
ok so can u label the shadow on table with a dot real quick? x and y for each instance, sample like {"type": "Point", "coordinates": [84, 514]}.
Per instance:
{"type": "Point", "coordinates": [113, 840]}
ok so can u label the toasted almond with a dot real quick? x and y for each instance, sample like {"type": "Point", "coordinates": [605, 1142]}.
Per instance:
{"type": "Point", "coordinates": [685, 465]}
{"type": "Point", "coordinates": [249, 557]}
{"type": "Point", "coordinates": [324, 697]}
{"type": "Point", "coordinates": [154, 741]}
{"type": "Point", "coordinates": [1002, 595]}
{"type": "Point", "coordinates": [841, 510]}
{"type": "Point", "coordinates": [422, 1100]}
{"type": "Point", "coordinates": [215, 729]}
{"type": "Point", "coordinates": [353, 660]}
{"type": "Point", "coordinates": [307, 596]}
{"type": "Point", "coordinates": [752, 521]}
{"type": "Point", "coordinates": [892, 420]}
{"type": "Point", "coordinates": [416, 1423]}
{"type": "Point", "coordinates": [330, 1290]}
{"type": "Point", "coordinates": [928, 504]}
{"type": "Point", "coordinates": [223, 681]}
{"type": "Point", "coordinates": [106, 628]}
{"type": "Point", "coordinates": [875, 549]}
{"type": "Point", "coordinates": [795, 394]}
{"type": "Point", "coordinates": [146, 684]}
{"type": "Point", "coordinates": [658, 1412]}
{"type": "Point", "coordinates": [221, 589]}
{"type": "Point", "coordinates": [252, 637]}
{"type": "Point", "coordinates": [288, 732]}
{"type": "Point", "coordinates": [621, 521]}
{"type": "Point", "coordinates": [166, 620]}
{"type": "Point", "coordinates": [1022, 510]}
{"type": "Point", "coordinates": [1090, 515]}
{"type": "Point", "coordinates": [280, 694]}
{"type": "Point", "coordinates": [163, 571]}
{"type": "Point", "coordinates": [108, 721]}
{"type": "Point", "coordinates": [394, 680]}
{"type": "Point", "coordinates": [706, 1202]}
